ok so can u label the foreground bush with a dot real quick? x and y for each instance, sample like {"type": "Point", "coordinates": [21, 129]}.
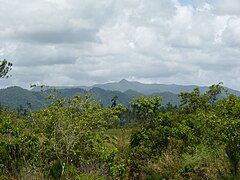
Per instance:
{"type": "Point", "coordinates": [62, 141]}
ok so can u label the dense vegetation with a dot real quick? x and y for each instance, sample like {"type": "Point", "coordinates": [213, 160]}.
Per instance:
{"type": "Point", "coordinates": [80, 139]}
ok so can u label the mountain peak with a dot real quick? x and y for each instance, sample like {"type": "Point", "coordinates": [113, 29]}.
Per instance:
{"type": "Point", "coordinates": [123, 81]}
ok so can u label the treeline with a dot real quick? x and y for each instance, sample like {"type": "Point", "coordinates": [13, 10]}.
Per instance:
{"type": "Point", "coordinates": [80, 139]}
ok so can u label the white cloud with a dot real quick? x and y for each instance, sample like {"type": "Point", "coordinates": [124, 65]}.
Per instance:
{"type": "Point", "coordinates": [227, 7]}
{"type": "Point", "coordinates": [78, 42]}
{"type": "Point", "coordinates": [231, 33]}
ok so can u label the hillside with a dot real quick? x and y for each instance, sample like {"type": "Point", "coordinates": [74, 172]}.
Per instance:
{"type": "Point", "coordinates": [149, 89]}
{"type": "Point", "coordinates": [168, 97]}
{"type": "Point", "coordinates": [103, 93]}
{"type": "Point", "coordinates": [141, 88]}
{"type": "Point", "coordinates": [16, 96]}
{"type": "Point", "coordinates": [125, 85]}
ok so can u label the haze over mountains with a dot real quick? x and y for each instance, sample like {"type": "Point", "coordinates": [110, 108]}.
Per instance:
{"type": "Point", "coordinates": [103, 93]}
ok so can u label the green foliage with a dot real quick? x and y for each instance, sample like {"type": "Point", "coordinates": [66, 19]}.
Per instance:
{"type": "Point", "coordinates": [71, 139]}
{"type": "Point", "coordinates": [203, 120]}
{"type": "Point", "coordinates": [64, 139]}
{"type": "Point", "coordinates": [146, 108]}
{"type": "Point", "coordinates": [193, 101]}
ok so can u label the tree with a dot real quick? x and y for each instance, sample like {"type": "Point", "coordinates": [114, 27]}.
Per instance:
{"type": "Point", "coordinates": [214, 92]}
{"type": "Point", "coordinates": [5, 67]}
{"type": "Point", "coordinates": [114, 101]}
{"type": "Point", "coordinates": [146, 108]}
{"type": "Point", "coordinates": [193, 101]}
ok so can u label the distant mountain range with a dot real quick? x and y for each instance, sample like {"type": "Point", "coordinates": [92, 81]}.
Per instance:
{"type": "Point", "coordinates": [103, 93]}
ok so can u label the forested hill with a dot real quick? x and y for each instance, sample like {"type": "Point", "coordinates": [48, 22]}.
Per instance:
{"type": "Point", "coordinates": [149, 89]}
{"type": "Point", "coordinates": [103, 93]}
{"type": "Point", "coordinates": [141, 88]}
{"type": "Point", "coordinates": [15, 97]}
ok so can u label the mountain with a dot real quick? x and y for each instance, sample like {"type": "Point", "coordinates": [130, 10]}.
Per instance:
{"type": "Point", "coordinates": [125, 90]}
{"type": "Point", "coordinates": [15, 97]}
{"type": "Point", "coordinates": [149, 89]}
{"type": "Point", "coordinates": [133, 94]}
{"type": "Point", "coordinates": [168, 97]}
{"type": "Point", "coordinates": [104, 97]}
{"type": "Point", "coordinates": [125, 85]}
{"type": "Point", "coordinates": [141, 88]}
{"type": "Point", "coordinates": [70, 92]}
{"type": "Point", "coordinates": [44, 88]}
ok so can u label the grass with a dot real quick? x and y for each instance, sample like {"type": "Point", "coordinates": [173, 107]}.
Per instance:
{"type": "Point", "coordinates": [205, 163]}
{"type": "Point", "coordinates": [122, 135]}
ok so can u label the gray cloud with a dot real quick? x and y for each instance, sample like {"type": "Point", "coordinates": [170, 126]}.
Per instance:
{"type": "Point", "coordinates": [231, 33]}
{"type": "Point", "coordinates": [81, 42]}
{"type": "Point", "coordinates": [37, 55]}
{"type": "Point", "coordinates": [59, 36]}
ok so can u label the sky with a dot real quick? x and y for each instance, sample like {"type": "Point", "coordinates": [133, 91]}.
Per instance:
{"type": "Point", "coordinates": [83, 42]}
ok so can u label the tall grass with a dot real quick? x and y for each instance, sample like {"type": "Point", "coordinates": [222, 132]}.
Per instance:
{"type": "Point", "coordinates": [204, 163]}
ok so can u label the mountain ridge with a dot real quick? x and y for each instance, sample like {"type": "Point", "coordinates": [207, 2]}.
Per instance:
{"type": "Point", "coordinates": [147, 89]}
{"type": "Point", "coordinates": [125, 90]}
{"type": "Point", "coordinates": [14, 97]}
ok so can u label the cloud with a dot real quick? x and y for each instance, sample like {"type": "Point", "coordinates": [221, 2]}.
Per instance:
{"type": "Point", "coordinates": [81, 42]}
{"type": "Point", "coordinates": [231, 33]}
{"type": "Point", "coordinates": [227, 7]}
{"type": "Point", "coordinates": [58, 36]}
